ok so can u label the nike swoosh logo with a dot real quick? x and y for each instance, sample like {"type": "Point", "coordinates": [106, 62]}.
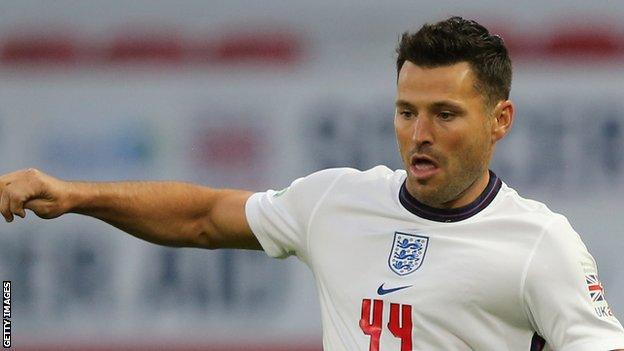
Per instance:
{"type": "Point", "coordinates": [382, 291]}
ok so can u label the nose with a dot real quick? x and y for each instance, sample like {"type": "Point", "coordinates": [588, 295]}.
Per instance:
{"type": "Point", "coordinates": [422, 132]}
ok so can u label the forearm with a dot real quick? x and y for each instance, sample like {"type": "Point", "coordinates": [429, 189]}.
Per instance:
{"type": "Point", "coordinates": [166, 213]}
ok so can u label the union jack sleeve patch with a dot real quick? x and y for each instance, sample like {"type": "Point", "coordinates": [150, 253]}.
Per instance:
{"type": "Point", "coordinates": [596, 291]}
{"type": "Point", "coordinates": [596, 294]}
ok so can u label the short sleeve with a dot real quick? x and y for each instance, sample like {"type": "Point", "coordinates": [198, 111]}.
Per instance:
{"type": "Point", "coordinates": [279, 219]}
{"type": "Point", "coordinates": [564, 297]}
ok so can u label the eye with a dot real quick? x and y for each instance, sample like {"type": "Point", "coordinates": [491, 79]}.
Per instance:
{"type": "Point", "coordinates": [446, 116]}
{"type": "Point", "coordinates": [406, 114]}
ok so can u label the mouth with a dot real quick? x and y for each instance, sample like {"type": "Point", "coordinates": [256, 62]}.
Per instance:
{"type": "Point", "coordinates": [423, 167]}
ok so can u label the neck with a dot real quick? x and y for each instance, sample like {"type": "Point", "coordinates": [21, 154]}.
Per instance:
{"type": "Point", "coordinates": [465, 206]}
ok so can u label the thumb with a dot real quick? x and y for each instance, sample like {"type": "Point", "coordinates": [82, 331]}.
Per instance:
{"type": "Point", "coordinates": [43, 208]}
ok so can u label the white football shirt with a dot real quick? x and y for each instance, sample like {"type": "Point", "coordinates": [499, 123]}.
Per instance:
{"type": "Point", "coordinates": [503, 273]}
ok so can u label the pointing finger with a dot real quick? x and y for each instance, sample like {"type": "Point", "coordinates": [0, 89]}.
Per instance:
{"type": "Point", "coordinates": [4, 206]}
{"type": "Point", "coordinates": [16, 206]}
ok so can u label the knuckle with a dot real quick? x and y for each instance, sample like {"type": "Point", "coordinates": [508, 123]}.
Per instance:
{"type": "Point", "coordinates": [45, 212]}
{"type": "Point", "coordinates": [31, 172]}
{"type": "Point", "coordinates": [17, 202]}
{"type": "Point", "coordinates": [9, 195]}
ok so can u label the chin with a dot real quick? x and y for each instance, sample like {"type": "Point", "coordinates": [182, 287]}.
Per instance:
{"type": "Point", "coordinates": [429, 192]}
{"type": "Point", "coordinates": [430, 182]}
{"type": "Point", "coordinates": [423, 192]}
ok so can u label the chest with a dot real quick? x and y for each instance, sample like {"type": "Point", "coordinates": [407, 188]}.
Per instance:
{"type": "Point", "coordinates": [460, 266]}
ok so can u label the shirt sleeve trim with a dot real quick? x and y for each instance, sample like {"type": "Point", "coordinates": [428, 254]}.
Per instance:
{"type": "Point", "coordinates": [252, 209]}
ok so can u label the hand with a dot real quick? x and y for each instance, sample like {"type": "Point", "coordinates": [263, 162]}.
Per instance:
{"type": "Point", "coordinates": [31, 189]}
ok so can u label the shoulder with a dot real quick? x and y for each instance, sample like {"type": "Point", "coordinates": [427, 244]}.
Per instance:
{"type": "Point", "coordinates": [353, 176]}
{"type": "Point", "coordinates": [350, 183]}
{"type": "Point", "coordinates": [323, 178]}
{"type": "Point", "coordinates": [337, 179]}
{"type": "Point", "coordinates": [374, 182]}
{"type": "Point", "coordinates": [553, 227]}
{"type": "Point", "coordinates": [375, 174]}
{"type": "Point", "coordinates": [515, 205]}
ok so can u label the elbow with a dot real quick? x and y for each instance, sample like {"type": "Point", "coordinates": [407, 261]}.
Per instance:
{"type": "Point", "coordinates": [206, 237]}
{"type": "Point", "coordinates": [206, 241]}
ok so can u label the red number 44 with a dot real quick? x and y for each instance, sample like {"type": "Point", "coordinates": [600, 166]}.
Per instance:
{"type": "Point", "coordinates": [400, 324]}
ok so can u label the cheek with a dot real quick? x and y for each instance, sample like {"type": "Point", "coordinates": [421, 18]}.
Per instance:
{"type": "Point", "coordinates": [461, 147]}
{"type": "Point", "coordinates": [454, 142]}
{"type": "Point", "coordinates": [473, 148]}
{"type": "Point", "coordinates": [403, 136]}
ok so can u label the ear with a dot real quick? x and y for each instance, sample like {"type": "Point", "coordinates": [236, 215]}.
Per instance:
{"type": "Point", "coordinates": [503, 115]}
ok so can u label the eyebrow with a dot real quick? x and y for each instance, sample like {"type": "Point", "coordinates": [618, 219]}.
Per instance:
{"type": "Point", "coordinates": [438, 105]}
{"type": "Point", "coordinates": [403, 103]}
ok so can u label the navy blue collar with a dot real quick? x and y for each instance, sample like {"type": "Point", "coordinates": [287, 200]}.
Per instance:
{"type": "Point", "coordinates": [451, 214]}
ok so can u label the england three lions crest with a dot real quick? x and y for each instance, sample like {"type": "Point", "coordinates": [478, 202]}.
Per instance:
{"type": "Point", "coordinates": [408, 252]}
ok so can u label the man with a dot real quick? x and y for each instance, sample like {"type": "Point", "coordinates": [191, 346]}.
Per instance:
{"type": "Point", "coordinates": [439, 256]}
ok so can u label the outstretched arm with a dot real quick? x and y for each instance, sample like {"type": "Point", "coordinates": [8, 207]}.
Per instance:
{"type": "Point", "coordinates": [165, 213]}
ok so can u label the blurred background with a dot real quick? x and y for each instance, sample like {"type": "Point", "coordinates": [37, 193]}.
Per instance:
{"type": "Point", "coordinates": [253, 95]}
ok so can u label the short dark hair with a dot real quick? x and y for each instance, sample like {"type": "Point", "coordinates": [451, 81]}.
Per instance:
{"type": "Point", "coordinates": [457, 40]}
